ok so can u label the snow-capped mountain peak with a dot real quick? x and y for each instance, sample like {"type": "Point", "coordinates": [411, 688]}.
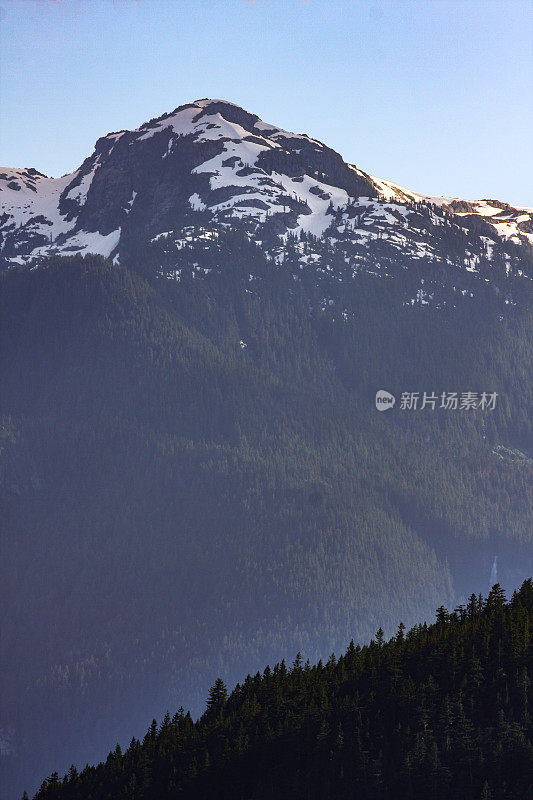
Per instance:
{"type": "Point", "coordinates": [211, 163]}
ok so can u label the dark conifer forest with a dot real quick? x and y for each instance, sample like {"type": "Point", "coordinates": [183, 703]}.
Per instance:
{"type": "Point", "coordinates": [194, 481]}
{"type": "Point", "coordinates": [440, 711]}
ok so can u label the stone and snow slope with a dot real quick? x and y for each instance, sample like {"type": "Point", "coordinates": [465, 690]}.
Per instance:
{"type": "Point", "coordinates": [211, 163]}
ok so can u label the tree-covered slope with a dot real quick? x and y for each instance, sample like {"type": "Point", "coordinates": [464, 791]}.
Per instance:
{"type": "Point", "coordinates": [442, 711]}
{"type": "Point", "coordinates": [194, 478]}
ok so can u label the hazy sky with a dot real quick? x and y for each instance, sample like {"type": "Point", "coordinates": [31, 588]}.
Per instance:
{"type": "Point", "coordinates": [436, 95]}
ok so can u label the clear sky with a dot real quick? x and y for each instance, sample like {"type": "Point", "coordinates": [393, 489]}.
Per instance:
{"type": "Point", "coordinates": [436, 95]}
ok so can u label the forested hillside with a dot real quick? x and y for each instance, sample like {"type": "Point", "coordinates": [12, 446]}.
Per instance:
{"type": "Point", "coordinates": [440, 711]}
{"type": "Point", "coordinates": [194, 479]}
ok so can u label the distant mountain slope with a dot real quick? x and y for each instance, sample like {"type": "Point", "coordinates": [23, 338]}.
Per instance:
{"type": "Point", "coordinates": [193, 473]}
{"type": "Point", "coordinates": [442, 711]}
{"type": "Point", "coordinates": [211, 163]}
{"type": "Point", "coordinates": [194, 479]}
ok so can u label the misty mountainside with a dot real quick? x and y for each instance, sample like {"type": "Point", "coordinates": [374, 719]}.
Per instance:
{"type": "Point", "coordinates": [194, 478]}
{"type": "Point", "coordinates": [176, 505]}
{"type": "Point", "coordinates": [438, 711]}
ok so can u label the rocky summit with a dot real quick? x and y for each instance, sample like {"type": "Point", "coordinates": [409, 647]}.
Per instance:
{"type": "Point", "coordinates": [180, 180]}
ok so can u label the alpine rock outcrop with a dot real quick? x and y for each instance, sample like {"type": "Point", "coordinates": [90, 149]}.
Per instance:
{"type": "Point", "coordinates": [177, 182]}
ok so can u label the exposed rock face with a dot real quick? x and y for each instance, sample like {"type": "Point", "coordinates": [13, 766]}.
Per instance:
{"type": "Point", "coordinates": [210, 164]}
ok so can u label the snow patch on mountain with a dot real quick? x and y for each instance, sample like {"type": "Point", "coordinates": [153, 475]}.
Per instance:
{"type": "Point", "coordinates": [246, 171]}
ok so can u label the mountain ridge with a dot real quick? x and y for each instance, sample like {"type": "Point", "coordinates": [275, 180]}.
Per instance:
{"type": "Point", "coordinates": [211, 163]}
{"type": "Point", "coordinates": [193, 474]}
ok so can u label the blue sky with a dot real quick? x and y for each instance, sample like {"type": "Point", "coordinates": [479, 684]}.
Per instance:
{"type": "Point", "coordinates": [436, 95]}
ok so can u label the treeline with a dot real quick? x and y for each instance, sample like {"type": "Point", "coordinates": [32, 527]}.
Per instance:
{"type": "Point", "coordinates": [438, 711]}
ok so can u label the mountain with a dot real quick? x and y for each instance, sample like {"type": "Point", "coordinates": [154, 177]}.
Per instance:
{"type": "Point", "coordinates": [194, 477]}
{"type": "Point", "coordinates": [210, 164]}
{"type": "Point", "coordinates": [440, 711]}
